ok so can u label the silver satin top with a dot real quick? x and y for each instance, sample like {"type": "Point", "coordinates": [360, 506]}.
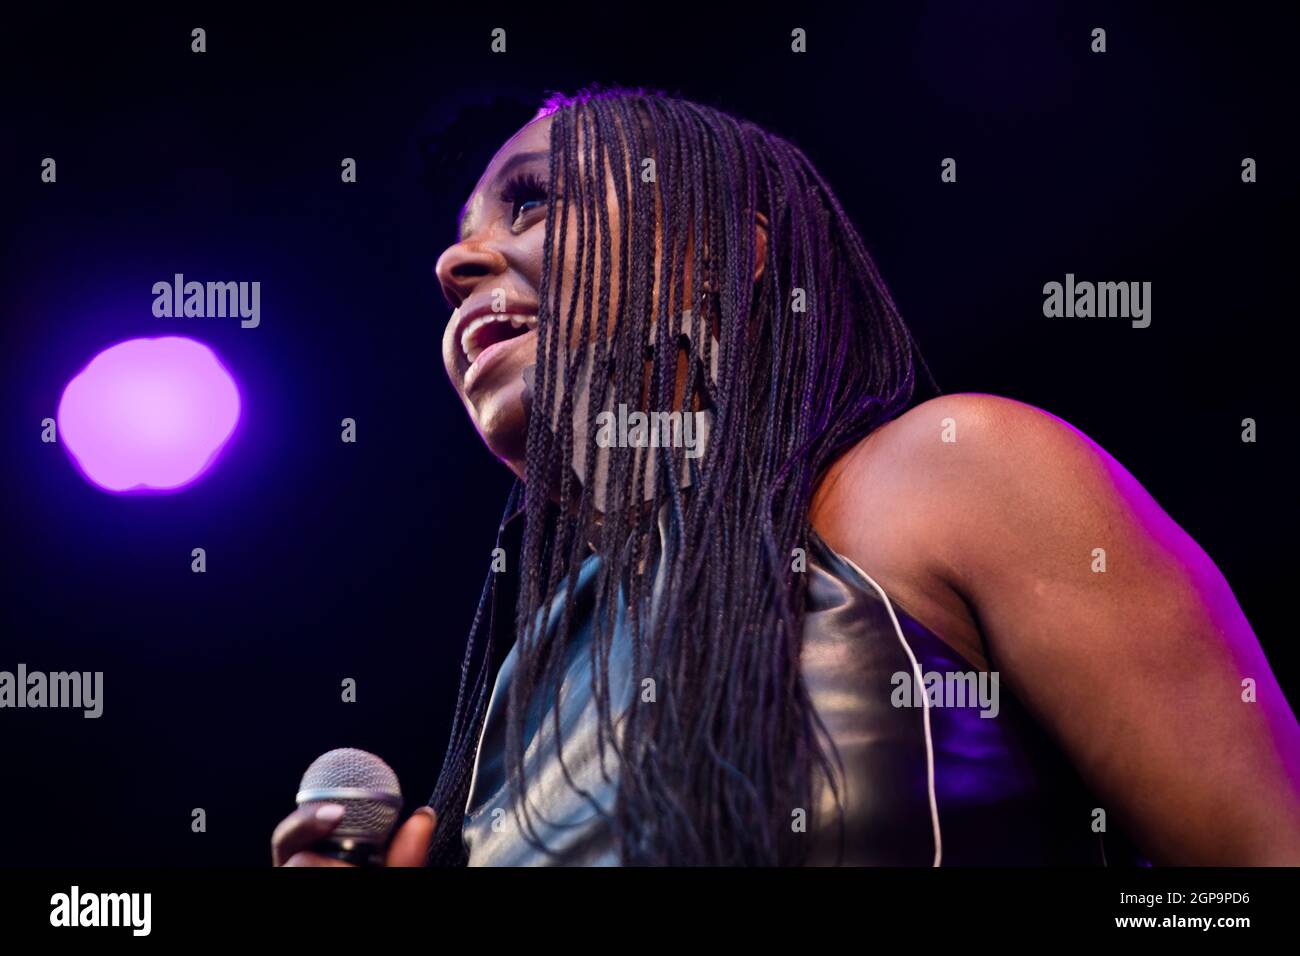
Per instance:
{"type": "Point", "coordinates": [923, 785]}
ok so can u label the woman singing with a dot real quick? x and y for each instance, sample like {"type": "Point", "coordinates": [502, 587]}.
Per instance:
{"type": "Point", "coordinates": [753, 602]}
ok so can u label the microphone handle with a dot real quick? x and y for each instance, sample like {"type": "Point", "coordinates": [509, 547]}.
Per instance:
{"type": "Point", "coordinates": [351, 850]}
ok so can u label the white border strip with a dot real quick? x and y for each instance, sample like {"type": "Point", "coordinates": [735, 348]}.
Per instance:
{"type": "Point", "coordinates": [916, 673]}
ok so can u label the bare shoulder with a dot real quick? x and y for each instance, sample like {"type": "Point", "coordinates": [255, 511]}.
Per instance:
{"type": "Point", "coordinates": [912, 500]}
{"type": "Point", "coordinates": [994, 519]}
{"type": "Point", "coordinates": [977, 454]}
{"type": "Point", "coordinates": [976, 430]}
{"type": "Point", "coordinates": [963, 447]}
{"type": "Point", "coordinates": [968, 498]}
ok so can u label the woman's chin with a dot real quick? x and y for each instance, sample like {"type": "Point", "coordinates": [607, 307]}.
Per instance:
{"type": "Point", "coordinates": [503, 424]}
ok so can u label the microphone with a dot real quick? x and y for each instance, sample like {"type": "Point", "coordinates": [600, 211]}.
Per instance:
{"type": "Point", "coordinates": [368, 790]}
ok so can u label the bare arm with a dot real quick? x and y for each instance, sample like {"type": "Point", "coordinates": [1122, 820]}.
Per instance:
{"type": "Point", "coordinates": [1142, 672]}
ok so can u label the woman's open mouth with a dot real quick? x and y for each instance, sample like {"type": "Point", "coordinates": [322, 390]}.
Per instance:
{"type": "Point", "coordinates": [483, 332]}
{"type": "Point", "coordinates": [489, 336]}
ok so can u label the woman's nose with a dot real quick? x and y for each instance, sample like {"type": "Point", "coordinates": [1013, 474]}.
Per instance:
{"type": "Point", "coordinates": [463, 266]}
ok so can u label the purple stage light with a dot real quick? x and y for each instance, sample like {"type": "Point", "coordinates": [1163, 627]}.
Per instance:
{"type": "Point", "coordinates": [148, 414]}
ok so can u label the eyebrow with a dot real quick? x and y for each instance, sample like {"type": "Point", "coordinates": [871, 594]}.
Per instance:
{"type": "Point", "coordinates": [518, 159]}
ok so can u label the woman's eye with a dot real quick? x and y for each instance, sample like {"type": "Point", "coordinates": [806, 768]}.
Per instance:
{"type": "Point", "coordinates": [522, 207]}
{"type": "Point", "coordinates": [525, 194]}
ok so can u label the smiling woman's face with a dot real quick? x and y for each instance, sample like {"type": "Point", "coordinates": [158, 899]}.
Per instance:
{"type": "Point", "coordinates": [492, 277]}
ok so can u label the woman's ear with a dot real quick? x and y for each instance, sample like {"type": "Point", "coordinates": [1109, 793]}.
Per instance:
{"type": "Point", "coordinates": [760, 245]}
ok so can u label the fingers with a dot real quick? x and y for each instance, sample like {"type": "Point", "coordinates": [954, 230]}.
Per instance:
{"type": "Point", "coordinates": [307, 858]}
{"type": "Point", "coordinates": [302, 828]}
{"type": "Point", "coordinates": [410, 847]}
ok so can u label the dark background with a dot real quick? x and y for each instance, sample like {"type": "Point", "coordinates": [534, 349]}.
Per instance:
{"type": "Point", "coordinates": [328, 560]}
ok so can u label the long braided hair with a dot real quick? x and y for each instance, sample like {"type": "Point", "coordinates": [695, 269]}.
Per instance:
{"type": "Point", "coordinates": [810, 356]}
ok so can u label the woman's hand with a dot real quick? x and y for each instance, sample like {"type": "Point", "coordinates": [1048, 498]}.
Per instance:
{"type": "Point", "coordinates": [307, 825]}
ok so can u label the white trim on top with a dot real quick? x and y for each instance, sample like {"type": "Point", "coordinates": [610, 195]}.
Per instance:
{"type": "Point", "coordinates": [919, 678]}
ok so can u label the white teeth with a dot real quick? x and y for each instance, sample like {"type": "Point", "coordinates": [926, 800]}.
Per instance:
{"type": "Point", "coordinates": [467, 343]}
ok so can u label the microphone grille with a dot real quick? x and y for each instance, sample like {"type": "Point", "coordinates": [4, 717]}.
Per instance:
{"type": "Point", "coordinates": [360, 782]}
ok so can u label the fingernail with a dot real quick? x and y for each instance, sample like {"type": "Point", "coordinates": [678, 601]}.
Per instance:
{"type": "Point", "coordinates": [427, 811]}
{"type": "Point", "coordinates": [330, 812]}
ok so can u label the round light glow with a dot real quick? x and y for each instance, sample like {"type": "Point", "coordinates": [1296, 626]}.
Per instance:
{"type": "Point", "coordinates": [148, 414]}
